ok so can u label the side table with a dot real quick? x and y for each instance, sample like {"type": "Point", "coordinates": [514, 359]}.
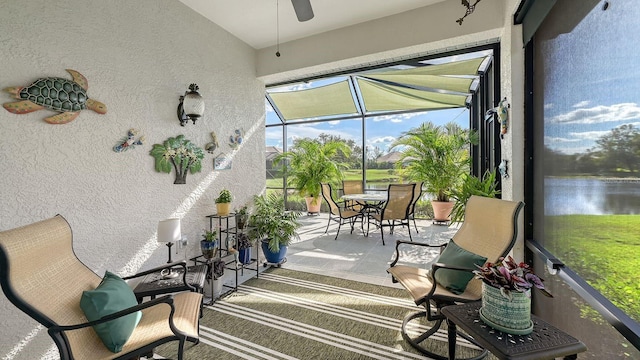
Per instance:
{"type": "Point", "coordinates": [154, 284]}
{"type": "Point", "coordinates": [545, 342]}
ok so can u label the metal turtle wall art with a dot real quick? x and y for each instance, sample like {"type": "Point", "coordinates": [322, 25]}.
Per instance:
{"type": "Point", "coordinates": [68, 97]}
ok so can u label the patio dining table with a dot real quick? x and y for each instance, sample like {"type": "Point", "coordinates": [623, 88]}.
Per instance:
{"type": "Point", "coordinates": [366, 197]}
{"type": "Point", "coordinates": [371, 202]}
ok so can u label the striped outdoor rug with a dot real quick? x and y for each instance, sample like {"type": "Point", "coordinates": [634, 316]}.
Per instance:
{"type": "Point", "coordinates": [286, 314]}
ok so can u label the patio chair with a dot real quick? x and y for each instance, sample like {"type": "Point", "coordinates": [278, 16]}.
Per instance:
{"type": "Point", "coordinates": [337, 213]}
{"type": "Point", "coordinates": [488, 232]}
{"type": "Point", "coordinates": [352, 187]}
{"type": "Point", "coordinates": [417, 193]}
{"type": "Point", "coordinates": [41, 275]}
{"type": "Point", "coordinates": [395, 211]}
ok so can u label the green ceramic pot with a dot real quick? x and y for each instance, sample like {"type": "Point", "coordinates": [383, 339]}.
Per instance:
{"type": "Point", "coordinates": [512, 315]}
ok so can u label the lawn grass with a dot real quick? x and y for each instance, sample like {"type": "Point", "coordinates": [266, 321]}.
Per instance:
{"type": "Point", "coordinates": [604, 250]}
{"type": "Point", "coordinates": [373, 175]}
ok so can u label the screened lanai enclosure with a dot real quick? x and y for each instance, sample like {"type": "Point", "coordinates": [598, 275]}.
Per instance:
{"type": "Point", "coordinates": [369, 108]}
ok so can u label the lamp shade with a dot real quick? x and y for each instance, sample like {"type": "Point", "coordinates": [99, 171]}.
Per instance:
{"type": "Point", "coordinates": [169, 230]}
{"type": "Point", "coordinates": [193, 103]}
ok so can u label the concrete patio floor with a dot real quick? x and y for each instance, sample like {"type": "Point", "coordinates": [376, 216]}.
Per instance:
{"type": "Point", "coordinates": [358, 257]}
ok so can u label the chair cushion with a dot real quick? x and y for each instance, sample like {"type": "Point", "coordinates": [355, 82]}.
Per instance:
{"type": "Point", "coordinates": [112, 295]}
{"type": "Point", "coordinates": [455, 280]}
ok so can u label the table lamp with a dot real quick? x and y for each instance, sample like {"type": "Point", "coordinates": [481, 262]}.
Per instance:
{"type": "Point", "coordinates": [169, 232]}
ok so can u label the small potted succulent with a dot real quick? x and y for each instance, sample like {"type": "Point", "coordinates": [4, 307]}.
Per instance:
{"type": "Point", "coordinates": [223, 202]}
{"type": "Point", "coordinates": [506, 295]}
{"type": "Point", "coordinates": [208, 244]}
{"type": "Point", "coordinates": [242, 215]}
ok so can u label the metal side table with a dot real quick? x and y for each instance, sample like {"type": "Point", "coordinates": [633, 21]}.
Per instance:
{"type": "Point", "coordinates": [154, 284]}
{"type": "Point", "coordinates": [545, 342]}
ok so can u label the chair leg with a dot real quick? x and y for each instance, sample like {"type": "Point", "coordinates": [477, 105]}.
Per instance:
{"type": "Point", "coordinates": [328, 222]}
{"type": "Point", "coordinates": [409, 229]}
{"type": "Point", "coordinates": [338, 232]}
{"type": "Point", "coordinates": [181, 349]}
{"type": "Point", "coordinates": [382, 233]}
{"type": "Point", "coordinates": [414, 224]}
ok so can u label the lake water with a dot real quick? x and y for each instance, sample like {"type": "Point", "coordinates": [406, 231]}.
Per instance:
{"type": "Point", "coordinates": [566, 196]}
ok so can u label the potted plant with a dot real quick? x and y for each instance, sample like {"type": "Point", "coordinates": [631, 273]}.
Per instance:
{"type": "Point", "coordinates": [506, 296]}
{"type": "Point", "coordinates": [223, 202]}
{"type": "Point", "coordinates": [311, 162]}
{"type": "Point", "coordinates": [439, 156]}
{"type": "Point", "coordinates": [208, 244]}
{"type": "Point", "coordinates": [242, 215]}
{"type": "Point", "coordinates": [273, 226]}
{"type": "Point", "coordinates": [243, 245]}
{"type": "Point", "coordinates": [473, 185]}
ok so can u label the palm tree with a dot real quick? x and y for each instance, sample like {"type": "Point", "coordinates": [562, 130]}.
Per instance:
{"type": "Point", "coordinates": [311, 162]}
{"type": "Point", "coordinates": [437, 155]}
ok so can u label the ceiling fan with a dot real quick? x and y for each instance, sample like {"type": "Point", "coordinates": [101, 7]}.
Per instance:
{"type": "Point", "coordinates": [303, 9]}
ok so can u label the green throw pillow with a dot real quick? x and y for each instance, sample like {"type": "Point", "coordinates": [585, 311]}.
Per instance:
{"type": "Point", "coordinates": [455, 280]}
{"type": "Point", "coordinates": [112, 295]}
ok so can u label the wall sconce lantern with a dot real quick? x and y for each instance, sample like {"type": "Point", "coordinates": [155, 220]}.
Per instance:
{"type": "Point", "coordinates": [191, 105]}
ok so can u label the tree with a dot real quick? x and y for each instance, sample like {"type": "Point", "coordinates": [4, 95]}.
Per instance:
{"type": "Point", "coordinates": [180, 154]}
{"type": "Point", "coordinates": [621, 148]}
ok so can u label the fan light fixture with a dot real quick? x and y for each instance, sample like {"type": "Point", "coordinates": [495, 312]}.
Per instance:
{"type": "Point", "coordinates": [303, 9]}
{"type": "Point", "coordinates": [191, 106]}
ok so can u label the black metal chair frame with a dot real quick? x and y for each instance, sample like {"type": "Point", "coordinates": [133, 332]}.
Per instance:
{"type": "Point", "coordinates": [339, 214]}
{"type": "Point", "coordinates": [417, 193]}
{"type": "Point", "coordinates": [392, 223]}
{"type": "Point", "coordinates": [433, 303]}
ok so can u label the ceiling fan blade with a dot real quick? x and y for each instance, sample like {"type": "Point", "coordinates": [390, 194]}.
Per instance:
{"type": "Point", "coordinates": [303, 9]}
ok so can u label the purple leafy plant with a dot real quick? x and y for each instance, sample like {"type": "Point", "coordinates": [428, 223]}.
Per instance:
{"type": "Point", "coordinates": [507, 275]}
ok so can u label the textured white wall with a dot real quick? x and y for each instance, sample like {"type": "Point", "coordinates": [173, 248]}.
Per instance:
{"type": "Point", "coordinates": [139, 57]}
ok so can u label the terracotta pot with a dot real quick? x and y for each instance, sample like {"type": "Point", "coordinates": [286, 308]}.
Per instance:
{"type": "Point", "coordinates": [442, 210]}
{"type": "Point", "coordinates": [313, 207]}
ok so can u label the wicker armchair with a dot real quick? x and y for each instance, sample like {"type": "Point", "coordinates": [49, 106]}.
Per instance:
{"type": "Point", "coordinates": [489, 231]}
{"type": "Point", "coordinates": [41, 275]}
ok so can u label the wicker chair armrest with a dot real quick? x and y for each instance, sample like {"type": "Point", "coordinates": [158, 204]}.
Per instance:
{"type": "Point", "coordinates": [405, 242]}
{"type": "Point", "coordinates": [167, 299]}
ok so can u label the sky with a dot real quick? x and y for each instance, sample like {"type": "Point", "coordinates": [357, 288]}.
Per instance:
{"type": "Point", "coordinates": [605, 78]}
{"type": "Point", "coordinates": [381, 131]}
